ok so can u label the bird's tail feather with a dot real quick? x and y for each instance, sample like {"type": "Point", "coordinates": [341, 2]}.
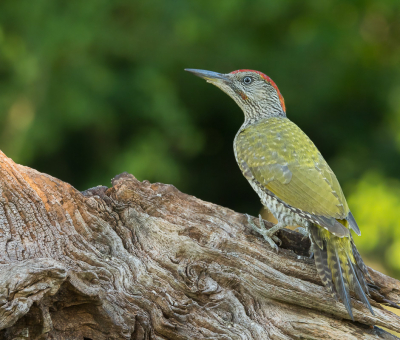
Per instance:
{"type": "Point", "coordinates": [338, 269]}
{"type": "Point", "coordinates": [356, 286]}
{"type": "Point", "coordinates": [340, 266]}
{"type": "Point", "coordinates": [362, 268]}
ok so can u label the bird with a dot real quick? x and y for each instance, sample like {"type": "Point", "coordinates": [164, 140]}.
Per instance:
{"type": "Point", "coordinates": [294, 182]}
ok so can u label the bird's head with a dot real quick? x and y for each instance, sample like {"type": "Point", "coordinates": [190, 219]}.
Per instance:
{"type": "Point", "coordinates": [255, 93]}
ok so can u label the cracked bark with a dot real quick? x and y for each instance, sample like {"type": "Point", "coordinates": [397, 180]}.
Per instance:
{"type": "Point", "coordinates": [145, 261]}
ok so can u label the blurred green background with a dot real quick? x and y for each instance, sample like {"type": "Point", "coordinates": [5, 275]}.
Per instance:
{"type": "Point", "coordinates": [89, 89]}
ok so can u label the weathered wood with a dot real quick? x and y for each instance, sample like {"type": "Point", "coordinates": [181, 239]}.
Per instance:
{"type": "Point", "coordinates": [145, 261]}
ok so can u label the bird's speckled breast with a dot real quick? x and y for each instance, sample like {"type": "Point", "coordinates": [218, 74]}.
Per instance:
{"type": "Point", "coordinates": [280, 211]}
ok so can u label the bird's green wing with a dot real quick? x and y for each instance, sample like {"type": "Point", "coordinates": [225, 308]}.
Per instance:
{"type": "Point", "coordinates": [284, 161]}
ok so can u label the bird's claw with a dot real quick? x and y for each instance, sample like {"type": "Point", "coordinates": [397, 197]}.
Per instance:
{"type": "Point", "coordinates": [276, 239]}
{"type": "Point", "coordinates": [268, 234]}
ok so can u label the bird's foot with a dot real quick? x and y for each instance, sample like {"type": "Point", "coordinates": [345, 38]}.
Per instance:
{"type": "Point", "coordinates": [268, 234]}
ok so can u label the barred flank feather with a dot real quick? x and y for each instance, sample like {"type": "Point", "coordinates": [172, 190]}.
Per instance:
{"type": "Point", "coordinates": [339, 266]}
{"type": "Point", "coordinates": [321, 262]}
{"type": "Point", "coordinates": [316, 238]}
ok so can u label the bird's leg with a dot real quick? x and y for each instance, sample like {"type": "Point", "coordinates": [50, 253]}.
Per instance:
{"type": "Point", "coordinates": [268, 234]}
{"type": "Point", "coordinates": [302, 231]}
{"type": "Point", "coordinates": [305, 233]}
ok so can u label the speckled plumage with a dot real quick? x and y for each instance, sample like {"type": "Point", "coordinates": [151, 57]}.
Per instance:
{"type": "Point", "coordinates": [283, 165]}
{"type": "Point", "coordinates": [294, 181]}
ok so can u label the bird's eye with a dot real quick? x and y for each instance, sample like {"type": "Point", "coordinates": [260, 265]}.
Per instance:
{"type": "Point", "coordinates": [247, 80]}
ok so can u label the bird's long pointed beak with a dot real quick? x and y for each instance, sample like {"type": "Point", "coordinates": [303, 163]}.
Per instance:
{"type": "Point", "coordinates": [208, 75]}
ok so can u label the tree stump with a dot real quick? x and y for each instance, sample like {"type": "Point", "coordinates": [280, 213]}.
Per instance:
{"type": "Point", "coordinates": [145, 261]}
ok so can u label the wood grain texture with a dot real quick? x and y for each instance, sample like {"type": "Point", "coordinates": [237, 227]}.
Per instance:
{"type": "Point", "coordinates": [145, 261]}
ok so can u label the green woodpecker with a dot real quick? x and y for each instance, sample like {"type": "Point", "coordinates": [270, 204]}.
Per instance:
{"type": "Point", "coordinates": [293, 181]}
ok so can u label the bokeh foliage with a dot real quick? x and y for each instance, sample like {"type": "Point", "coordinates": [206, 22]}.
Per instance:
{"type": "Point", "coordinates": [89, 89]}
